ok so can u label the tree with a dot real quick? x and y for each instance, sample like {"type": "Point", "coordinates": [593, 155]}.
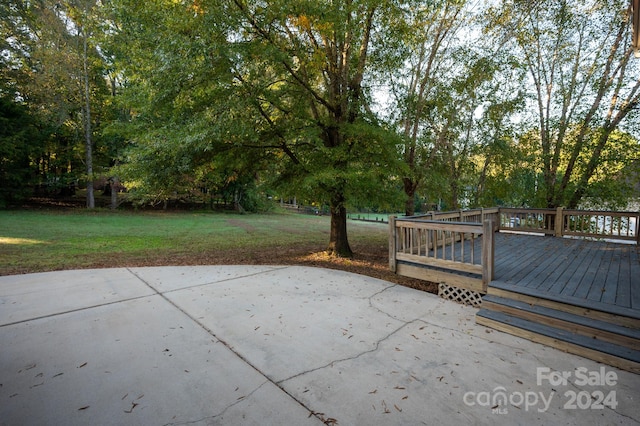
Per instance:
{"type": "Point", "coordinates": [318, 55]}
{"type": "Point", "coordinates": [585, 85]}
{"type": "Point", "coordinates": [431, 41]}
{"type": "Point", "coordinates": [282, 86]}
{"type": "Point", "coordinates": [20, 143]}
{"type": "Point", "coordinates": [53, 67]}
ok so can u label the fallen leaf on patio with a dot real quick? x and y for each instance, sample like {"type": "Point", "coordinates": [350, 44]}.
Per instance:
{"type": "Point", "coordinates": [84, 408]}
{"type": "Point", "coordinates": [373, 391]}
{"type": "Point", "coordinates": [82, 365]}
{"type": "Point", "coordinates": [133, 405]}
{"type": "Point", "coordinates": [397, 408]}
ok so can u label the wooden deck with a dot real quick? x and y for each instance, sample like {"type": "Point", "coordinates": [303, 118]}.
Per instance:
{"type": "Point", "coordinates": [576, 295]}
{"type": "Point", "coordinates": [591, 274]}
{"type": "Point", "coordinates": [579, 295]}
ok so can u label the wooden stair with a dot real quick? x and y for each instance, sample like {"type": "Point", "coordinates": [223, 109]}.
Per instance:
{"type": "Point", "coordinates": [605, 334]}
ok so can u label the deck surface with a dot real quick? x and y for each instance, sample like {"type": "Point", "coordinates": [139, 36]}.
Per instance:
{"type": "Point", "coordinates": [602, 275]}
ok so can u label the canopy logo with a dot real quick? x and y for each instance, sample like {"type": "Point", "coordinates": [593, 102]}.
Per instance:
{"type": "Point", "coordinates": [499, 399]}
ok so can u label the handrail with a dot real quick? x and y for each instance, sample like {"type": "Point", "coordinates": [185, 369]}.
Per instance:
{"type": "Point", "coordinates": [611, 225]}
{"type": "Point", "coordinates": [432, 246]}
{"type": "Point", "coordinates": [458, 252]}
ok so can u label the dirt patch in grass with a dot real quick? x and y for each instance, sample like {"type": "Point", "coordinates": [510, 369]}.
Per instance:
{"type": "Point", "coordinates": [242, 225]}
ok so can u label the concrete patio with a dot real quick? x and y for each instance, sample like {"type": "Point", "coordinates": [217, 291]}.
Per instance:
{"type": "Point", "coordinates": [288, 345]}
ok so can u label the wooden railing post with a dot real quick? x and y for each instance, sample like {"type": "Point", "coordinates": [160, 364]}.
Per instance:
{"type": "Point", "coordinates": [392, 243]}
{"type": "Point", "coordinates": [559, 223]}
{"type": "Point", "coordinates": [488, 253]}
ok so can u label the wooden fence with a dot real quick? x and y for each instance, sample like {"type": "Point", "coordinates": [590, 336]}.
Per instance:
{"type": "Point", "coordinates": [458, 247]}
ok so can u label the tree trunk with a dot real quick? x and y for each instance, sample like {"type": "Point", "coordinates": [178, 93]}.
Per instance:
{"type": "Point", "coordinates": [338, 241]}
{"type": "Point", "coordinates": [410, 187]}
{"type": "Point", "coordinates": [87, 125]}
{"type": "Point", "coordinates": [114, 193]}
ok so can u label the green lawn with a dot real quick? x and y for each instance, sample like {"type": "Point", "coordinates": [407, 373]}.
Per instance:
{"type": "Point", "coordinates": [33, 240]}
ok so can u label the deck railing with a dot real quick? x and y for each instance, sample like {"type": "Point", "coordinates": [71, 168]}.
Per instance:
{"type": "Point", "coordinates": [474, 215]}
{"type": "Point", "coordinates": [458, 247]}
{"type": "Point", "coordinates": [459, 253]}
{"type": "Point", "coordinates": [610, 225]}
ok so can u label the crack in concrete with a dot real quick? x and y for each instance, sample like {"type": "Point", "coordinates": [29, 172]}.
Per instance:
{"type": "Point", "coordinates": [227, 345]}
{"type": "Point", "coordinates": [371, 305]}
{"type": "Point", "coordinates": [350, 358]}
{"type": "Point", "coordinates": [274, 268]}
{"type": "Point", "coordinates": [224, 410]}
{"type": "Point", "coordinates": [84, 308]}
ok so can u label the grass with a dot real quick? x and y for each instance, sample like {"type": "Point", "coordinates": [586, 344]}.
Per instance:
{"type": "Point", "coordinates": [48, 240]}
{"type": "Point", "coordinates": [39, 241]}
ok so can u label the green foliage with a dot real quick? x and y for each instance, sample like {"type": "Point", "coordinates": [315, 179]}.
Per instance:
{"type": "Point", "coordinates": [19, 144]}
{"type": "Point", "coordinates": [44, 64]}
{"type": "Point", "coordinates": [583, 86]}
{"type": "Point", "coordinates": [203, 100]}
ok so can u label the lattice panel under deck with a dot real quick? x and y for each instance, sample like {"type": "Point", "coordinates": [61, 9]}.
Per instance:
{"type": "Point", "coordinates": [466, 297]}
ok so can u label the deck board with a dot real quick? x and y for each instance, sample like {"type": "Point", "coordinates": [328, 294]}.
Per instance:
{"type": "Point", "coordinates": [599, 284]}
{"type": "Point", "coordinates": [600, 273]}
{"type": "Point", "coordinates": [613, 278]}
{"type": "Point", "coordinates": [634, 278]}
{"type": "Point", "coordinates": [571, 260]}
{"type": "Point", "coordinates": [511, 256]}
{"type": "Point", "coordinates": [574, 280]}
{"type": "Point", "coordinates": [623, 290]}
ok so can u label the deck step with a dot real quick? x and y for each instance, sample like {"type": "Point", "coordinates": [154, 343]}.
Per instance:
{"type": "Point", "coordinates": [598, 350]}
{"type": "Point", "coordinates": [614, 315]}
{"type": "Point", "coordinates": [579, 324]}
